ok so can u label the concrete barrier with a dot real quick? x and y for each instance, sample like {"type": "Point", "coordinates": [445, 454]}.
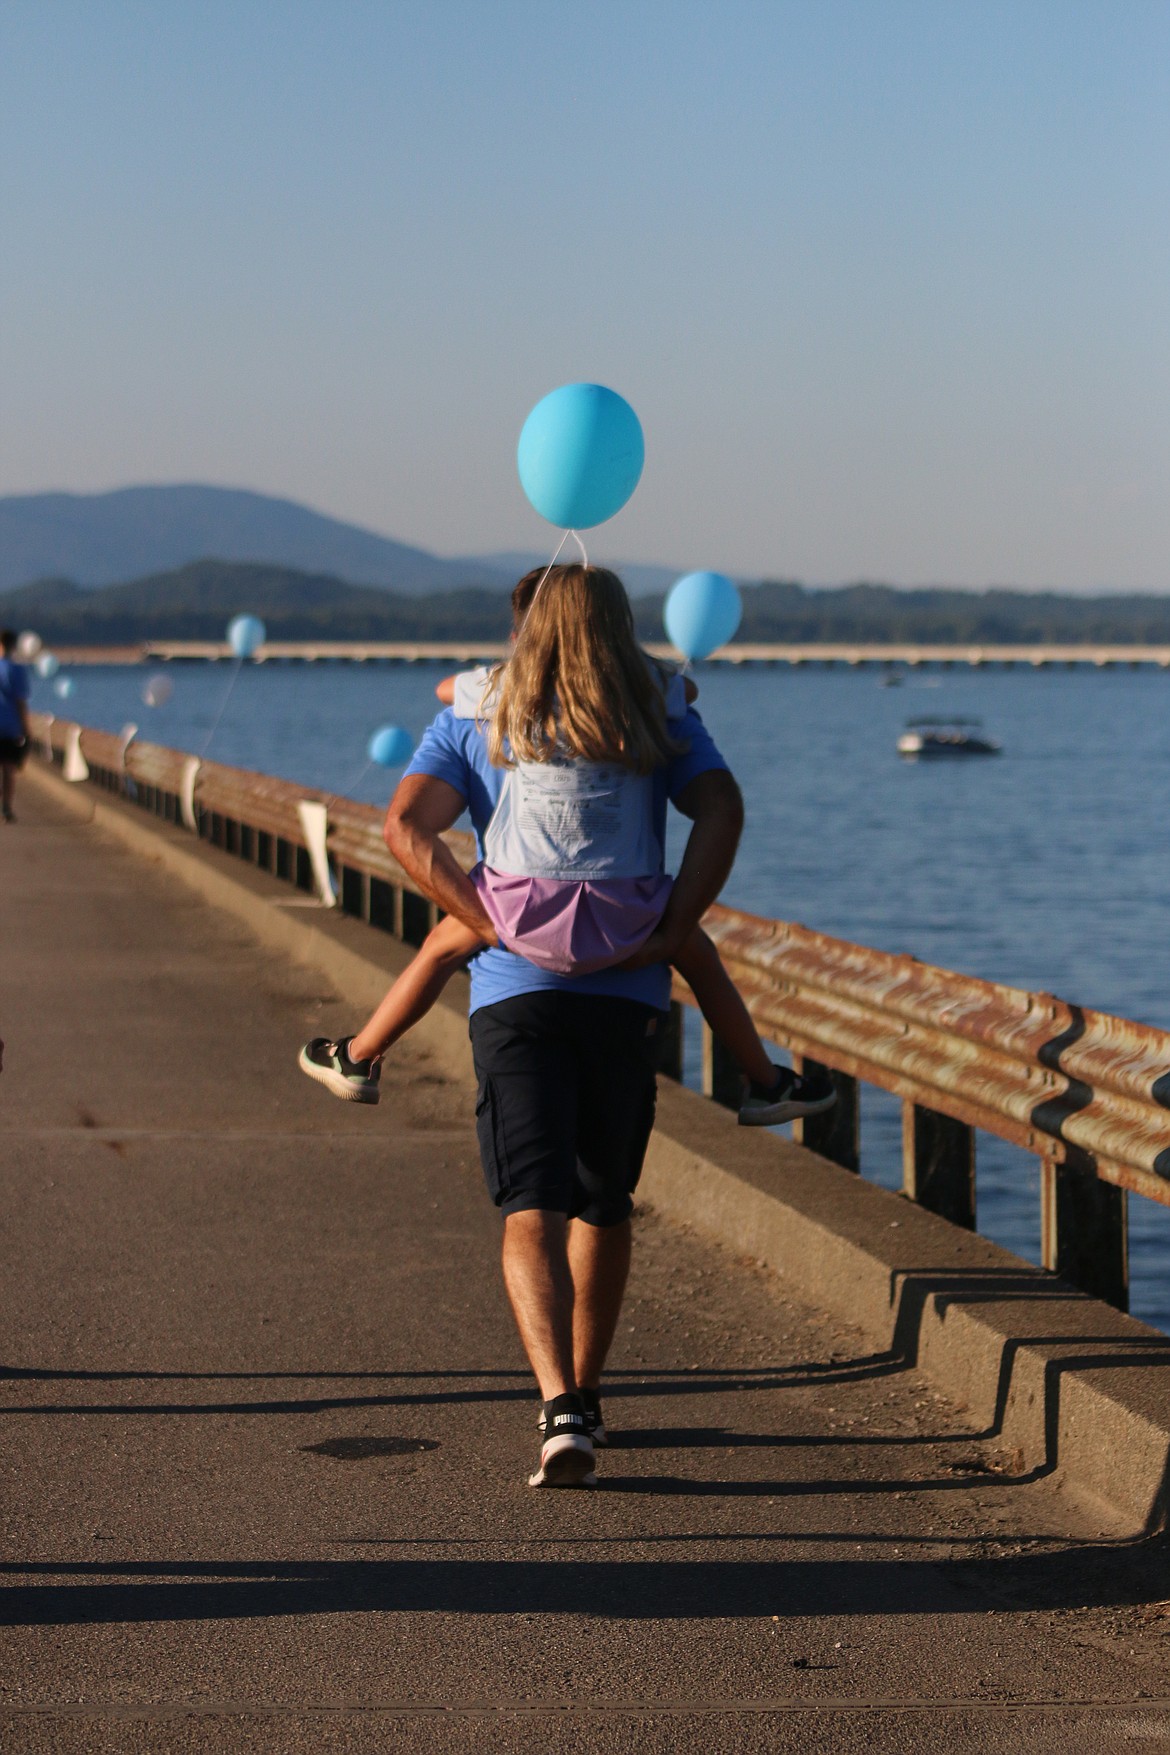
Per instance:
{"type": "Point", "coordinates": [1071, 1385]}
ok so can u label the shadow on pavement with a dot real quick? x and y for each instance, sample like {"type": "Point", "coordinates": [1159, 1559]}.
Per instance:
{"type": "Point", "coordinates": [158, 1591]}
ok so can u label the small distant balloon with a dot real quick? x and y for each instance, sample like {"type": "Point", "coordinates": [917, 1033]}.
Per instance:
{"type": "Point", "coordinates": [702, 612]}
{"type": "Point", "coordinates": [157, 690]}
{"type": "Point", "coordinates": [64, 687]}
{"type": "Point", "coordinates": [28, 645]}
{"type": "Point", "coordinates": [390, 747]}
{"type": "Point", "coordinates": [580, 455]}
{"type": "Point", "coordinates": [47, 665]}
{"type": "Point", "coordinates": [245, 633]}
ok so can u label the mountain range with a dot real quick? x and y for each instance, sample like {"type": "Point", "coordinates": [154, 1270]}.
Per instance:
{"type": "Point", "coordinates": [177, 562]}
{"type": "Point", "coordinates": [136, 532]}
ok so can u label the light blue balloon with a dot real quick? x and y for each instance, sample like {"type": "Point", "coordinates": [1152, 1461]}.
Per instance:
{"type": "Point", "coordinates": [64, 687]}
{"type": "Point", "coordinates": [580, 455]}
{"type": "Point", "coordinates": [48, 664]}
{"type": "Point", "coordinates": [702, 613]}
{"type": "Point", "coordinates": [390, 746]}
{"type": "Point", "coordinates": [244, 634]}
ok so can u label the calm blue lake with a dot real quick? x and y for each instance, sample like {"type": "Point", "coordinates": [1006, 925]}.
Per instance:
{"type": "Point", "coordinates": [1048, 867]}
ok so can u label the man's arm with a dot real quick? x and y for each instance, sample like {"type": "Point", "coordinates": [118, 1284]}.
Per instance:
{"type": "Point", "coordinates": [714, 804]}
{"type": "Point", "coordinates": [422, 807]}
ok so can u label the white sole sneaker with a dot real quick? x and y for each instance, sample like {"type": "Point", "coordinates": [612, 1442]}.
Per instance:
{"type": "Point", "coordinates": [565, 1461]}
{"type": "Point", "coordinates": [335, 1081]}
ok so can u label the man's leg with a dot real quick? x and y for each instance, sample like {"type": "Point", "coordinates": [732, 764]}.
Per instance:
{"type": "Point", "coordinates": [542, 1160]}
{"type": "Point", "coordinates": [540, 1289]}
{"type": "Point", "coordinates": [540, 1286]}
{"type": "Point", "coordinates": [599, 1261]}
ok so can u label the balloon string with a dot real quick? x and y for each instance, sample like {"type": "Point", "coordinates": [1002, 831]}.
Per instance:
{"type": "Point", "coordinates": [356, 781]}
{"type": "Point", "coordinates": [222, 708]}
{"type": "Point", "coordinates": [551, 565]}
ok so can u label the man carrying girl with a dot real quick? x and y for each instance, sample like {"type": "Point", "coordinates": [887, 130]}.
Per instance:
{"type": "Point", "coordinates": [570, 925]}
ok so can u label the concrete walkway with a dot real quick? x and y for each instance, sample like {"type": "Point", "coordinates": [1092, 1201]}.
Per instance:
{"type": "Point", "coordinates": [264, 1424]}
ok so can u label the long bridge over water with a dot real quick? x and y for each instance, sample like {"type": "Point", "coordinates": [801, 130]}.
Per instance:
{"type": "Point", "coordinates": [875, 1485]}
{"type": "Point", "coordinates": [892, 654]}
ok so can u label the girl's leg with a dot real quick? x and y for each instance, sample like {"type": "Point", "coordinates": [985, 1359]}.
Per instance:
{"type": "Point", "coordinates": [700, 965]}
{"type": "Point", "coordinates": [444, 950]}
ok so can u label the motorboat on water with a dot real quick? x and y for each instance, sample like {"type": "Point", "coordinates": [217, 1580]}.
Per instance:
{"type": "Point", "coordinates": [924, 739]}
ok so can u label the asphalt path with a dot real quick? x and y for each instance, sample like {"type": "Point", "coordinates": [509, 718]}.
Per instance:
{"type": "Point", "coordinates": [265, 1424]}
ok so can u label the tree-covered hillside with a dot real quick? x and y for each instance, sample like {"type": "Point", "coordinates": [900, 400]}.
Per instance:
{"type": "Point", "coordinates": [197, 601]}
{"type": "Point", "coordinates": [879, 612]}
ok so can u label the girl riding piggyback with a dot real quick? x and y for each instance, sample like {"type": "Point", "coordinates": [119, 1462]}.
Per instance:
{"type": "Point", "coordinates": [572, 879]}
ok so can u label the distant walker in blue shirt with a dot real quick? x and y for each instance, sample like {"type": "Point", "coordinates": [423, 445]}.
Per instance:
{"type": "Point", "coordinates": [13, 722]}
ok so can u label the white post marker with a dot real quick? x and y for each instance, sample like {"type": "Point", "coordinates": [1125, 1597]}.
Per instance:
{"type": "Point", "coordinates": [315, 823]}
{"type": "Point", "coordinates": [75, 767]}
{"type": "Point", "coordinates": [187, 779]}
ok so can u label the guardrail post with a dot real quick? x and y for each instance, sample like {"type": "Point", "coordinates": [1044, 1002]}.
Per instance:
{"type": "Point", "coordinates": [671, 1044]}
{"type": "Point", "coordinates": [721, 1075]}
{"type": "Point", "coordinates": [938, 1163]}
{"type": "Point", "coordinates": [1083, 1228]}
{"type": "Point", "coordinates": [74, 766]}
{"type": "Point", "coordinates": [836, 1135]}
{"type": "Point", "coordinates": [416, 917]}
{"type": "Point", "coordinates": [187, 811]}
{"type": "Point", "coordinates": [352, 891]}
{"type": "Point", "coordinates": [380, 909]}
{"type": "Point", "coordinates": [314, 820]}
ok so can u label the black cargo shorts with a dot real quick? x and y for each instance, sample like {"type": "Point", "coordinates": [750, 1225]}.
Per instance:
{"type": "Point", "coordinates": [566, 1101]}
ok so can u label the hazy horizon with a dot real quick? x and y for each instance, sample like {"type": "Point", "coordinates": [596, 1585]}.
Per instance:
{"type": "Point", "coordinates": [884, 281]}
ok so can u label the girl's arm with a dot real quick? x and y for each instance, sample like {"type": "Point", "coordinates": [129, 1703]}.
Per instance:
{"type": "Point", "coordinates": [446, 691]}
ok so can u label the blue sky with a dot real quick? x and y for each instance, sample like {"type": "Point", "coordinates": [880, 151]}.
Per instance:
{"type": "Point", "coordinates": [886, 280]}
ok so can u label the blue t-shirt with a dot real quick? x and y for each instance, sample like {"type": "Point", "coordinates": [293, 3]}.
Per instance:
{"type": "Point", "coordinates": [13, 688]}
{"type": "Point", "coordinates": [455, 750]}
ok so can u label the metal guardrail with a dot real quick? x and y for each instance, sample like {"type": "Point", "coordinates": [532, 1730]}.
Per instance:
{"type": "Point", "coordinates": [910, 654]}
{"type": "Point", "coordinates": [1088, 1093]}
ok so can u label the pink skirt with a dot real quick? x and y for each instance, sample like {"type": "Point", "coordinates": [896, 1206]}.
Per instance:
{"type": "Point", "coordinates": [570, 927]}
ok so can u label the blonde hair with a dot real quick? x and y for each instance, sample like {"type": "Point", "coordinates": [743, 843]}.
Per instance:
{"type": "Point", "coordinates": [578, 682]}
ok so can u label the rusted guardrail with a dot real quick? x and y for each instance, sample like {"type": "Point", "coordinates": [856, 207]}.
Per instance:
{"type": "Point", "coordinates": [1088, 1093]}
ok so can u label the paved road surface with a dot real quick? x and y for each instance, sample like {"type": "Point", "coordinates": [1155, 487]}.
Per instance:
{"type": "Point", "coordinates": [264, 1425]}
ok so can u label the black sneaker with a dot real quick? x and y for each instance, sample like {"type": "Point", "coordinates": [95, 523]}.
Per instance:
{"type": "Point", "coordinates": [354, 1081]}
{"type": "Point", "coordinates": [594, 1419]}
{"type": "Point", "coordinates": [566, 1456]}
{"type": "Point", "coordinates": [790, 1094]}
